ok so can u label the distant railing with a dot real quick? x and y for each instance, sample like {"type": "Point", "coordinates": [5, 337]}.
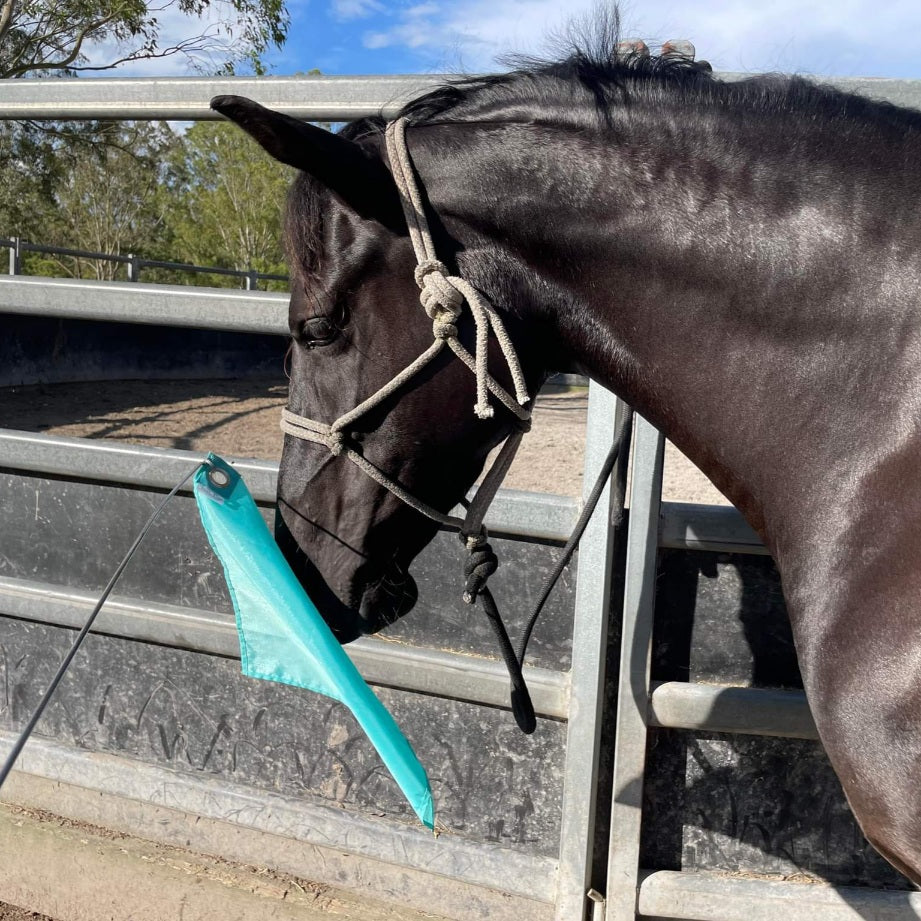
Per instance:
{"type": "Point", "coordinates": [134, 264]}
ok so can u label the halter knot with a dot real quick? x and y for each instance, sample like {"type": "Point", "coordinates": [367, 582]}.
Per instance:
{"type": "Point", "coordinates": [443, 326]}
{"type": "Point", "coordinates": [335, 441]}
{"type": "Point", "coordinates": [437, 294]}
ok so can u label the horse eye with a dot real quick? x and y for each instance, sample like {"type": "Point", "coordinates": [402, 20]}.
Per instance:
{"type": "Point", "coordinates": [318, 331]}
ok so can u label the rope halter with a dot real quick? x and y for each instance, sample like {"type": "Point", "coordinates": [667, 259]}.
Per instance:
{"type": "Point", "coordinates": [443, 297]}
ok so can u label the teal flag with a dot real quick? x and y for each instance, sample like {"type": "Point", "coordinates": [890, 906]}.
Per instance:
{"type": "Point", "coordinates": [282, 635]}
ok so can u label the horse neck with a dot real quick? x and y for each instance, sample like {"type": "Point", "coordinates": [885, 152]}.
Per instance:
{"type": "Point", "coordinates": [693, 267]}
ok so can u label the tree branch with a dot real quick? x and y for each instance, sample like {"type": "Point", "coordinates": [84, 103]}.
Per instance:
{"type": "Point", "coordinates": [64, 63]}
{"type": "Point", "coordinates": [6, 17]}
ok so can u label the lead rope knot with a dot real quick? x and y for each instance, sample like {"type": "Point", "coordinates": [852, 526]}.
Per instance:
{"type": "Point", "coordinates": [480, 565]}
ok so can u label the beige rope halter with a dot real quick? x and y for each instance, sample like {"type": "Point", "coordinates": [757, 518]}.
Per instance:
{"type": "Point", "coordinates": [443, 297]}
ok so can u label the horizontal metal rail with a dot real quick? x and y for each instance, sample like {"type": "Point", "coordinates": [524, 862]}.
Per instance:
{"type": "Point", "coordinates": [537, 516]}
{"type": "Point", "coordinates": [426, 671]}
{"type": "Point", "coordinates": [718, 708]}
{"type": "Point", "coordinates": [187, 98]}
{"type": "Point", "coordinates": [516, 513]}
{"type": "Point", "coordinates": [135, 263]}
{"type": "Point", "coordinates": [314, 98]}
{"type": "Point", "coordinates": [130, 302]}
{"type": "Point", "coordinates": [711, 896]}
{"type": "Point", "coordinates": [718, 528]}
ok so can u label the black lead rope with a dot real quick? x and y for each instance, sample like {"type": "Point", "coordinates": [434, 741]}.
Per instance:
{"type": "Point", "coordinates": [81, 636]}
{"type": "Point", "coordinates": [482, 563]}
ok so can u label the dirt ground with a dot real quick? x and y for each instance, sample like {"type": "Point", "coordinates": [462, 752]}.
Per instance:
{"type": "Point", "coordinates": [241, 418]}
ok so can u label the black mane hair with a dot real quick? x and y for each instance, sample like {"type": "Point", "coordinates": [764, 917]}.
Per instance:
{"type": "Point", "coordinates": [589, 82]}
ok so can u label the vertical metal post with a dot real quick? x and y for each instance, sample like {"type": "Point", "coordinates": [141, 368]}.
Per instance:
{"type": "Point", "coordinates": [589, 641]}
{"type": "Point", "coordinates": [252, 280]}
{"type": "Point", "coordinates": [16, 257]}
{"type": "Point", "coordinates": [633, 681]}
{"type": "Point", "coordinates": [134, 267]}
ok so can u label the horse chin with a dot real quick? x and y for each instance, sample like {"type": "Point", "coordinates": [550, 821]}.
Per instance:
{"type": "Point", "coordinates": [371, 608]}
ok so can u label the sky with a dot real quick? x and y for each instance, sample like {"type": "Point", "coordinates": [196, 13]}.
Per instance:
{"type": "Point", "coordinates": [829, 37]}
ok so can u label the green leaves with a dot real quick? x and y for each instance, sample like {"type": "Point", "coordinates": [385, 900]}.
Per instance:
{"type": "Point", "coordinates": [39, 37]}
{"type": "Point", "coordinates": [226, 206]}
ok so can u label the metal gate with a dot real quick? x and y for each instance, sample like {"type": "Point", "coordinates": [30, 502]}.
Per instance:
{"type": "Point", "coordinates": [83, 773]}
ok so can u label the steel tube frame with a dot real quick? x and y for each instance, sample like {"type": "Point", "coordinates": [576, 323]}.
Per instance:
{"type": "Point", "coordinates": [709, 896]}
{"type": "Point", "coordinates": [633, 680]}
{"type": "Point", "coordinates": [187, 98]}
{"type": "Point", "coordinates": [589, 645]}
{"type": "Point", "coordinates": [513, 512]}
{"type": "Point", "coordinates": [425, 671]}
{"type": "Point", "coordinates": [311, 98]}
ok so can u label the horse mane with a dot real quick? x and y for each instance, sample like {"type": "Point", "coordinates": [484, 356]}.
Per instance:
{"type": "Point", "coordinates": [586, 86]}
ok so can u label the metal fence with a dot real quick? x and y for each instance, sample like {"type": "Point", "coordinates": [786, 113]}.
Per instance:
{"type": "Point", "coordinates": [133, 263]}
{"type": "Point", "coordinates": [561, 885]}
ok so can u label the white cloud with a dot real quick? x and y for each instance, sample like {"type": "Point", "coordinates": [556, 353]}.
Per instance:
{"type": "Point", "coordinates": [355, 9]}
{"type": "Point", "coordinates": [851, 37]}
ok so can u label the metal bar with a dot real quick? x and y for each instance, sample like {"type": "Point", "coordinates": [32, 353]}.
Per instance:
{"type": "Point", "coordinates": [589, 645]}
{"type": "Point", "coordinates": [479, 862]}
{"type": "Point", "coordinates": [15, 256]}
{"type": "Point", "coordinates": [515, 513]}
{"type": "Point", "coordinates": [127, 302]}
{"type": "Point", "coordinates": [311, 98]}
{"type": "Point", "coordinates": [747, 711]}
{"type": "Point", "coordinates": [187, 98]}
{"type": "Point", "coordinates": [426, 671]}
{"type": "Point", "coordinates": [720, 528]}
{"type": "Point", "coordinates": [134, 261]}
{"type": "Point", "coordinates": [205, 269]}
{"type": "Point", "coordinates": [118, 463]}
{"type": "Point", "coordinates": [633, 681]}
{"type": "Point", "coordinates": [65, 251]}
{"type": "Point", "coordinates": [706, 896]}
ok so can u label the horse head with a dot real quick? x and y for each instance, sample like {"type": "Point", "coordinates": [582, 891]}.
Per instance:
{"type": "Point", "coordinates": [356, 322]}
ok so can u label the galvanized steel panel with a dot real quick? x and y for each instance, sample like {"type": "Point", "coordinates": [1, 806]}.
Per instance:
{"type": "Point", "coordinates": [427, 671]}
{"type": "Point", "coordinates": [198, 715]}
{"type": "Point", "coordinates": [162, 305]}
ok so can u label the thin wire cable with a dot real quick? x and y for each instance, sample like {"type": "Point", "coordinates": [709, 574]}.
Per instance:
{"type": "Point", "coordinates": [81, 636]}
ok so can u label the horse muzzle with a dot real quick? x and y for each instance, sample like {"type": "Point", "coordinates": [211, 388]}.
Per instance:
{"type": "Point", "coordinates": [373, 601]}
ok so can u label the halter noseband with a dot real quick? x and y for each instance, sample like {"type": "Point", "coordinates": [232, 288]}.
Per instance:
{"type": "Point", "coordinates": [443, 297]}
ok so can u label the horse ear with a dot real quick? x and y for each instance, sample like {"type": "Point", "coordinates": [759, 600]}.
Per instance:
{"type": "Point", "coordinates": [350, 171]}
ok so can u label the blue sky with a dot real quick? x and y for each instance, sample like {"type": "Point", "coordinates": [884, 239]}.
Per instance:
{"type": "Point", "coordinates": [841, 37]}
{"type": "Point", "coordinates": [831, 37]}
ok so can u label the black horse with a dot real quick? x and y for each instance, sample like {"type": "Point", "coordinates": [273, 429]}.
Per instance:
{"type": "Point", "coordinates": [739, 261]}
